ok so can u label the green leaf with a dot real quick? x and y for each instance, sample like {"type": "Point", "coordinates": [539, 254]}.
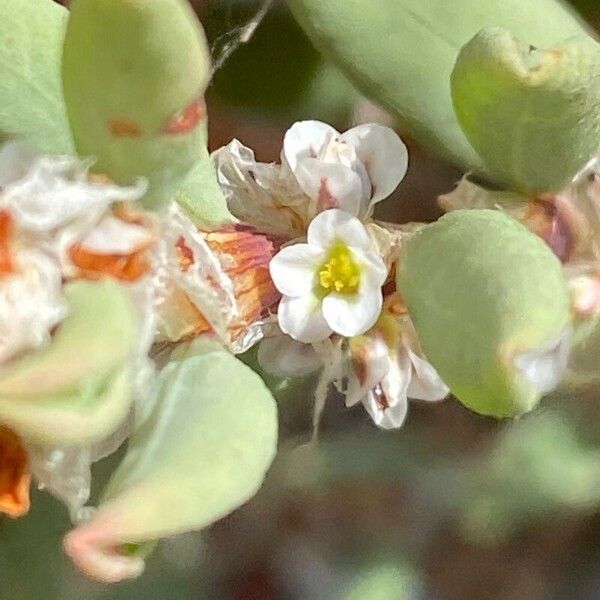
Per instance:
{"type": "Point", "coordinates": [77, 389]}
{"type": "Point", "coordinates": [134, 73]}
{"type": "Point", "coordinates": [31, 101]}
{"type": "Point", "coordinates": [400, 53]}
{"type": "Point", "coordinates": [200, 448]}
{"type": "Point", "coordinates": [532, 115]}
{"type": "Point", "coordinates": [487, 298]}
{"type": "Point", "coordinates": [201, 197]}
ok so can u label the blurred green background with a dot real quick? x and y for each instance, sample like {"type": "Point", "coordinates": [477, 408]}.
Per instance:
{"type": "Point", "coordinates": [452, 506]}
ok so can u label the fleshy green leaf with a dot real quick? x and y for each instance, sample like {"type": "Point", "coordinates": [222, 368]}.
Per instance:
{"type": "Point", "coordinates": [134, 74]}
{"type": "Point", "coordinates": [201, 197]}
{"type": "Point", "coordinates": [31, 101]}
{"type": "Point", "coordinates": [200, 449]}
{"type": "Point", "coordinates": [400, 53]}
{"type": "Point", "coordinates": [77, 389]}
{"type": "Point", "coordinates": [490, 305]}
{"type": "Point", "coordinates": [532, 115]}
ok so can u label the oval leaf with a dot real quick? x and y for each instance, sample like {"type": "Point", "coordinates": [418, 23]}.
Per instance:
{"type": "Point", "coordinates": [199, 450]}
{"type": "Point", "coordinates": [491, 307]}
{"type": "Point", "coordinates": [400, 53]}
{"type": "Point", "coordinates": [532, 115]}
{"type": "Point", "coordinates": [134, 75]}
{"type": "Point", "coordinates": [32, 105]}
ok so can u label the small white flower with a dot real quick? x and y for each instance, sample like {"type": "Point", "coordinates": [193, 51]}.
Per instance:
{"type": "Point", "coordinates": [321, 169]}
{"type": "Point", "coordinates": [383, 377]}
{"type": "Point", "coordinates": [351, 171]}
{"type": "Point", "coordinates": [332, 283]}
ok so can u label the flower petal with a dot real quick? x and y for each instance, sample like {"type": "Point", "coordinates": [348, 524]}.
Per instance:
{"type": "Point", "coordinates": [302, 319]}
{"type": "Point", "coordinates": [284, 357]}
{"type": "Point", "coordinates": [384, 155]}
{"type": "Point", "coordinates": [330, 185]}
{"type": "Point", "coordinates": [544, 367]}
{"type": "Point", "coordinates": [388, 403]}
{"type": "Point", "coordinates": [353, 314]}
{"type": "Point", "coordinates": [306, 139]}
{"type": "Point", "coordinates": [293, 269]}
{"type": "Point", "coordinates": [425, 383]}
{"type": "Point", "coordinates": [370, 362]}
{"type": "Point", "coordinates": [335, 225]}
{"type": "Point", "coordinates": [374, 271]}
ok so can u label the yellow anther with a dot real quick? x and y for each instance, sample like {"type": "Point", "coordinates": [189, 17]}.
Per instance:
{"type": "Point", "coordinates": [340, 272]}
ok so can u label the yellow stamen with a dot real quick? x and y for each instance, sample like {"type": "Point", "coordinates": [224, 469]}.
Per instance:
{"type": "Point", "coordinates": [339, 273]}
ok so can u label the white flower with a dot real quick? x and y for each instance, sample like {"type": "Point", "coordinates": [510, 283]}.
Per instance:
{"type": "Point", "coordinates": [332, 283]}
{"type": "Point", "coordinates": [351, 171]}
{"type": "Point", "coordinates": [321, 169]}
{"type": "Point", "coordinates": [387, 368]}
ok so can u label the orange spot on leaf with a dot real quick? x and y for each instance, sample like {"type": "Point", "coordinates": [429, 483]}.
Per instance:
{"type": "Point", "coordinates": [187, 119]}
{"type": "Point", "coordinates": [125, 128]}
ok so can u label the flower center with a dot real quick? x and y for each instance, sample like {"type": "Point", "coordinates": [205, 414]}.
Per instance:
{"type": "Point", "coordinates": [339, 273]}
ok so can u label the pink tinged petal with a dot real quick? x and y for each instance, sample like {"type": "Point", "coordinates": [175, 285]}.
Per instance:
{"type": "Point", "coordinates": [335, 226]}
{"type": "Point", "coordinates": [330, 185]}
{"type": "Point", "coordinates": [370, 362]}
{"type": "Point", "coordinates": [302, 319]}
{"type": "Point", "coordinates": [283, 357]}
{"type": "Point", "coordinates": [306, 139]}
{"type": "Point", "coordinates": [383, 154]}
{"type": "Point", "coordinates": [344, 154]}
{"type": "Point", "coordinates": [425, 383]}
{"type": "Point", "coordinates": [294, 268]}
{"type": "Point", "coordinates": [353, 314]}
